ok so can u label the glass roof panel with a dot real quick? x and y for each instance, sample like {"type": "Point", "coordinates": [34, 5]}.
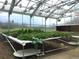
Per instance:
{"type": "Point", "coordinates": [1, 4]}
{"type": "Point", "coordinates": [9, 1]}
{"type": "Point", "coordinates": [2, 0]}
{"type": "Point", "coordinates": [45, 8]}
{"type": "Point", "coordinates": [7, 7]}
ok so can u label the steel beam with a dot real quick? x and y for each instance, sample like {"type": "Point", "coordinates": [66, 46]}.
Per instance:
{"type": "Point", "coordinates": [68, 10]}
{"type": "Point", "coordinates": [56, 8]}
{"type": "Point", "coordinates": [26, 7]}
{"type": "Point", "coordinates": [17, 2]}
{"type": "Point", "coordinates": [5, 3]}
{"type": "Point", "coordinates": [40, 3]}
{"type": "Point", "coordinates": [27, 14]}
{"type": "Point", "coordinates": [12, 6]}
{"type": "Point", "coordinates": [51, 13]}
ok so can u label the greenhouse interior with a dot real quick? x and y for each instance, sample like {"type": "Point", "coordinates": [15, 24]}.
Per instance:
{"type": "Point", "coordinates": [39, 29]}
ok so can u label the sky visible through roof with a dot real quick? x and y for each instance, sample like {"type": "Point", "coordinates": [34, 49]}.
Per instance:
{"type": "Point", "coordinates": [26, 19]}
{"type": "Point", "coordinates": [35, 20]}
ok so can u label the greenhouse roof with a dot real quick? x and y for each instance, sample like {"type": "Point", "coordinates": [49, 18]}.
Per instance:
{"type": "Point", "coordinates": [42, 8]}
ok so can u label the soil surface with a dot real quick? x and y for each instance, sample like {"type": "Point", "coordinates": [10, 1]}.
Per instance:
{"type": "Point", "coordinates": [69, 53]}
{"type": "Point", "coordinates": [5, 51]}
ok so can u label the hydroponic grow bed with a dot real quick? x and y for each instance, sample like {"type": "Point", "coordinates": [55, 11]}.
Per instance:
{"type": "Point", "coordinates": [24, 37]}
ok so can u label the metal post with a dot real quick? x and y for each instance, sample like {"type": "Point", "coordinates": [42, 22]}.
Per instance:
{"type": "Point", "coordinates": [56, 25]}
{"type": "Point", "coordinates": [23, 53]}
{"type": "Point", "coordinates": [45, 24]}
{"type": "Point", "coordinates": [11, 44]}
{"type": "Point", "coordinates": [33, 22]}
{"type": "Point", "coordinates": [43, 48]}
{"type": "Point", "coordinates": [42, 21]}
{"type": "Point", "coordinates": [22, 21]}
{"type": "Point", "coordinates": [8, 24]}
{"type": "Point", "coordinates": [56, 22]}
{"type": "Point", "coordinates": [30, 21]}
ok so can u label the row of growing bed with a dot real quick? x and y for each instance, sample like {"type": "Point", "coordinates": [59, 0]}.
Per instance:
{"type": "Point", "coordinates": [28, 34]}
{"type": "Point", "coordinates": [38, 38]}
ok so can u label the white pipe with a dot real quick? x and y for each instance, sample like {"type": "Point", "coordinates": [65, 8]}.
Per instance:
{"type": "Point", "coordinates": [22, 42]}
{"type": "Point", "coordinates": [9, 42]}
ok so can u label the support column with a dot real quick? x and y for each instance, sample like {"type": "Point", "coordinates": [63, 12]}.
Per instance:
{"type": "Point", "coordinates": [56, 22]}
{"type": "Point", "coordinates": [33, 22]}
{"type": "Point", "coordinates": [8, 24]}
{"type": "Point", "coordinates": [45, 24]}
{"type": "Point", "coordinates": [30, 22]}
{"type": "Point", "coordinates": [56, 25]}
{"type": "Point", "coordinates": [23, 53]}
{"type": "Point", "coordinates": [42, 21]}
{"type": "Point", "coordinates": [22, 22]}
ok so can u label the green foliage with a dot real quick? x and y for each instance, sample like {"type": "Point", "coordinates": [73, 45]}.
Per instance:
{"type": "Point", "coordinates": [25, 36]}
{"type": "Point", "coordinates": [28, 34]}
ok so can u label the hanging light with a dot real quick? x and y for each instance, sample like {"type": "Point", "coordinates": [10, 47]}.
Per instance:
{"type": "Point", "coordinates": [20, 5]}
{"type": "Point", "coordinates": [31, 8]}
{"type": "Point", "coordinates": [6, 2]}
{"type": "Point", "coordinates": [25, 10]}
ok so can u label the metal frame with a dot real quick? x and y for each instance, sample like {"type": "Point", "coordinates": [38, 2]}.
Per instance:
{"type": "Point", "coordinates": [39, 4]}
